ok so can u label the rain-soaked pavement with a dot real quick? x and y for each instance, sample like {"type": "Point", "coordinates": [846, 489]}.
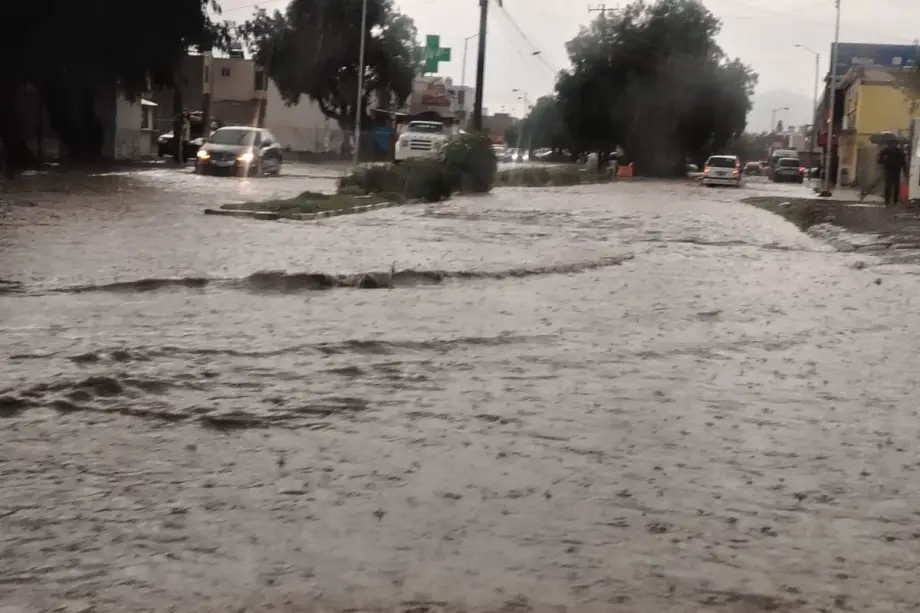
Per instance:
{"type": "Point", "coordinates": [632, 397]}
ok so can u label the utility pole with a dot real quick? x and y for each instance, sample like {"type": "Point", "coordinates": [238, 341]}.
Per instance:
{"type": "Point", "coordinates": [358, 109]}
{"type": "Point", "coordinates": [832, 89]}
{"type": "Point", "coordinates": [481, 63]}
{"type": "Point", "coordinates": [600, 8]}
{"type": "Point", "coordinates": [466, 42]}
{"type": "Point", "coordinates": [814, 107]}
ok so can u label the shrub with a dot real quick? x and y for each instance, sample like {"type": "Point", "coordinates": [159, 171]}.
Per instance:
{"type": "Point", "coordinates": [561, 176]}
{"type": "Point", "coordinates": [412, 180]}
{"type": "Point", "coordinates": [470, 163]}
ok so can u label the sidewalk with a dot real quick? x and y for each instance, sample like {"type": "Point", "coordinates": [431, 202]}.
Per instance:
{"type": "Point", "coordinates": [887, 228]}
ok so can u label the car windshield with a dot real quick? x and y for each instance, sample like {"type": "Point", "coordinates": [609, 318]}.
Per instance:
{"type": "Point", "coordinates": [426, 127]}
{"type": "Point", "coordinates": [721, 162]}
{"type": "Point", "coordinates": [789, 163]}
{"type": "Point", "coordinates": [234, 136]}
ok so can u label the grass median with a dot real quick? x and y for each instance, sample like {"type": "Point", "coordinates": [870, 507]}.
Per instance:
{"type": "Point", "coordinates": [312, 203]}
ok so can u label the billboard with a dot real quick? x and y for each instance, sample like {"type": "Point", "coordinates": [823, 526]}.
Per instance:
{"type": "Point", "coordinates": [431, 93]}
{"type": "Point", "coordinates": [891, 56]}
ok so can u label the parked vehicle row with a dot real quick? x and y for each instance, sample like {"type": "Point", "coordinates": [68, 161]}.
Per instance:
{"type": "Point", "coordinates": [783, 166]}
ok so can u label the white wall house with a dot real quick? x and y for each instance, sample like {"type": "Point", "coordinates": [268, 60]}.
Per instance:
{"type": "Point", "coordinates": [301, 127]}
{"type": "Point", "coordinates": [128, 128]}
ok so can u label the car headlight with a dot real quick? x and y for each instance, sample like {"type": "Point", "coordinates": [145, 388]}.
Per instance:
{"type": "Point", "coordinates": [246, 157]}
{"type": "Point", "coordinates": [203, 155]}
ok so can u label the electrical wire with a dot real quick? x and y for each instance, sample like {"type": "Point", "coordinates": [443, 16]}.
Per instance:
{"type": "Point", "coordinates": [534, 50]}
{"type": "Point", "coordinates": [798, 13]}
{"type": "Point", "coordinates": [253, 5]}
{"type": "Point", "coordinates": [525, 57]}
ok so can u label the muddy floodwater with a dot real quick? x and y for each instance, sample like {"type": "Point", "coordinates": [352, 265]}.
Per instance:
{"type": "Point", "coordinates": [635, 397]}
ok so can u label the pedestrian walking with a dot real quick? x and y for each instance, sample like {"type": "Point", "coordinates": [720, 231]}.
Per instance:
{"type": "Point", "coordinates": [893, 163]}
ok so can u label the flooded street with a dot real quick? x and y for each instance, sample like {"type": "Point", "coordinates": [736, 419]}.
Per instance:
{"type": "Point", "coordinates": [635, 397]}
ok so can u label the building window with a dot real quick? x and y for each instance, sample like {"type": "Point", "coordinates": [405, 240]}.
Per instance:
{"type": "Point", "coordinates": [147, 117]}
{"type": "Point", "coordinates": [225, 72]}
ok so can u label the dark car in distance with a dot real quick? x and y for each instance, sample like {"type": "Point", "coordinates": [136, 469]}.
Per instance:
{"type": "Point", "coordinates": [240, 150]}
{"type": "Point", "coordinates": [166, 146]}
{"type": "Point", "coordinates": [166, 143]}
{"type": "Point", "coordinates": [788, 170]}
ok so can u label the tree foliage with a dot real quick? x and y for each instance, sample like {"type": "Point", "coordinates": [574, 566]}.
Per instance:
{"type": "Point", "coordinates": [313, 49]}
{"type": "Point", "coordinates": [908, 80]}
{"type": "Point", "coordinates": [542, 128]}
{"type": "Point", "coordinates": [71, 51]}
{"type": "Point", "coordinates": [651, 79]}
{"type": "Point", "coordinates": [752, 147]}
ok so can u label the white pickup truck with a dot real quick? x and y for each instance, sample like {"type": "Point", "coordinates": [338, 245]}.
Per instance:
{"type": "Point", "coordinates": [421, 140]}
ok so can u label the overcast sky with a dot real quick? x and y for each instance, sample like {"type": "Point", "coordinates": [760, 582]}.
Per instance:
{"type": "Point", "coordinates": [762, 34]}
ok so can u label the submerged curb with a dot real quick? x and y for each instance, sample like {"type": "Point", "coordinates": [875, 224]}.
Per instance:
{"type": "Point", "coordinates": [266, 215]}
{"type": "Point", "coordinates": [273, 216]}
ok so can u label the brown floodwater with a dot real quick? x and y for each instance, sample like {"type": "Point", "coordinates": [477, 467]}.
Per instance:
{"type": "Point", "coordinates": [634, 397]}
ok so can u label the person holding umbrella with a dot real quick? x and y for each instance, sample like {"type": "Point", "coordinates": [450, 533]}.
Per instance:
{"type": "Point", "coordinates": [893, 163]}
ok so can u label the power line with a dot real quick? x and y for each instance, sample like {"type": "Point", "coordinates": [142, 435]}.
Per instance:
{"type": "Point", "coordinates": [523, 55]}
{"type": "Point", "coordinates": [534, 51]}
{"type": "Point", "coordinates": [253, 5]}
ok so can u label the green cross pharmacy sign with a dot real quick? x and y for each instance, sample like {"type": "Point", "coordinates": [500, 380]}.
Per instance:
{"type": "Point", "coordinates": [433, 54]}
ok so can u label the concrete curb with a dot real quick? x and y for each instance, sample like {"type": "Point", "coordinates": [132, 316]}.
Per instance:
{"type": "Point", "coordinates": [271, 216]}
{"type": "Point", "coordinates": [264, 215]}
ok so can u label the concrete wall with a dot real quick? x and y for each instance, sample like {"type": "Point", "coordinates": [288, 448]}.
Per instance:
{"type": "Point", "coordinates": [301, 127]}
{"type": "Point", "coordinates": [233, 79]}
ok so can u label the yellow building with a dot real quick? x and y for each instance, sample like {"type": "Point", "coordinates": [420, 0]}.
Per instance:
{"type": "Point", "coordinates": [873, 103]}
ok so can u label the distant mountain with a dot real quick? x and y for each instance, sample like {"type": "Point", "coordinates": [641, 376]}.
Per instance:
{"type": "Point", "coordinates": [799, 112]}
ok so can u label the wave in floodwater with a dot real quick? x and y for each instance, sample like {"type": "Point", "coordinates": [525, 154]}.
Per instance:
{"type": "Point", "coordinates": [280, 281]}
{"type": "Point", "coordinates": [109, 380]}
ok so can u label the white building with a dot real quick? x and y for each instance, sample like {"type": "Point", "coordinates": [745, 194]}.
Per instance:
{"type": "Point", "coordinates": [129, 129]}
{"type": "Point", "coordinates": [301, 127]}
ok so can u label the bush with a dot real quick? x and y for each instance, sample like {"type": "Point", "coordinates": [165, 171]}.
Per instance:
{"type": "Point", "coordinates": [560, 176]}
{"type": "Point", "coordinates": [412, 180]}
{"type": "Point", "coordinates": [468, 166]}
{"type": "Point", "coordinates": [470, 163]}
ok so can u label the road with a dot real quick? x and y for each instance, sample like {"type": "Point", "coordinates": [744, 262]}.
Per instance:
{"type": "Point", "coordinates": [641, 396]}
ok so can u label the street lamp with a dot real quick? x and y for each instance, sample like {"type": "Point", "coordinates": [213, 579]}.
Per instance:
{"type": "Point", "coordinates": [773, 118]}
{"type": "Point", "coordinates": [814, 101]}
{"type": "Point", "coordinates": [463, 70]}
{"type": "Point", "coordinates": [832, 88]}
{"type": "Point", "coordinates": [357, 150]}
{"type": "Point", "coordinates": [523, 96]}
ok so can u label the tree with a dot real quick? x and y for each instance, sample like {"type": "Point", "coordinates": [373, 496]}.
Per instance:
{"type": "Point", "coordinates": [71, 51]}
{"type": "Point", "coordinates": [752, 147]}
{"type": "Point", "coordinates": [313, 48]}
{"type": "Point", "coordinates": [908, 80]}
{"type": "Point", "coordinates": [651, 79]}
{"type": "Point", "coordinates": [542, 128]}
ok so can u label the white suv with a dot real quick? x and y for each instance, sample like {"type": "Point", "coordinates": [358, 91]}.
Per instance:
{"type": "Point", "coordinates": [421, 140]}
{"type": "Point", "coordinates": [723, 170]}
